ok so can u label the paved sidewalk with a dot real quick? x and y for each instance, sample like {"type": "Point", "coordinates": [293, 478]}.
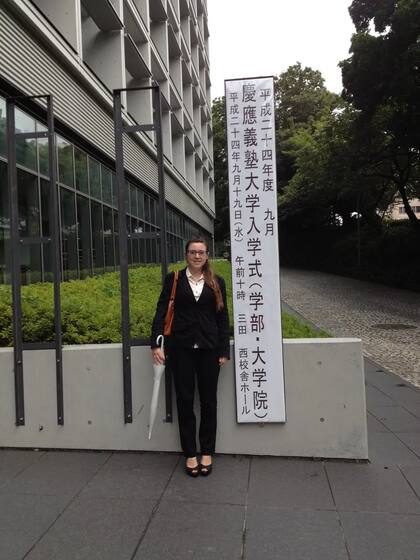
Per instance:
{"type": "Point", "coordinates": [386, 319]}
{"type": "Point", "coordinates": [128, 506]}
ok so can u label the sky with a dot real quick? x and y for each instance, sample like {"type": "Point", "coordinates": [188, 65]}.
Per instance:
{"type": "Point", "coordinates": [251, 38]}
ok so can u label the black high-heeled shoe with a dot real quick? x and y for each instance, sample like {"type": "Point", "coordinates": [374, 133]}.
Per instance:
{"type": "Point", "coordinates": [193, 471]}
{"type": "Point", "coordinates": [205, 470]}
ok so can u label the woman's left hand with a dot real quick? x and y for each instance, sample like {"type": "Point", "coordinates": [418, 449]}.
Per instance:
{"type": "Point", "coordinates": [222, 361]}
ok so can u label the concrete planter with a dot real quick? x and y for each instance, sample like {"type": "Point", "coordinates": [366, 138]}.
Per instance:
{"type": "Point", "coordinates": [325, 403]}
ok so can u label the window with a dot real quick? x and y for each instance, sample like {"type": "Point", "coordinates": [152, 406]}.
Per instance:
{"type": "Point", "coordinates": [26, 147]}
{"type": "Point", "coordinates": [81, 168]}
{"type": "Point", "coordinates": [108, 239]}
{"type": "Point", "coordinates": [65, 162]}
{"type": "Point", "coordinates": [97, 238]}
{"type": "Point", "coordinates": [2, 127]}
{"type": "Point", "coordinates": [83, 236]}
{"type": "Point", "coordinates": [68, 234]}
{"type": "Point", "coordinates": [106, 185]}
{"type": "Point", "coordinates": [95, 179]}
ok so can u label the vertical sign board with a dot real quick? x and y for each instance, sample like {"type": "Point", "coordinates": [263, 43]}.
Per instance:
{"type": "Point", "coordinates": [254, 250]}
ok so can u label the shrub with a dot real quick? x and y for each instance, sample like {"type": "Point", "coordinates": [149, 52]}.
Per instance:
{"type": "Point", "coordinates": [90, 308]}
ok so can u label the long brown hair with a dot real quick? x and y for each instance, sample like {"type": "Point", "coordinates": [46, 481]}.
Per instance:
{"type": "Point", "coordinates": [208, 273]}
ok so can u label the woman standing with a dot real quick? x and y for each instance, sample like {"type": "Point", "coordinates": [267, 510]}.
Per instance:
{"type": "Point", "coordinates": [198, 347]}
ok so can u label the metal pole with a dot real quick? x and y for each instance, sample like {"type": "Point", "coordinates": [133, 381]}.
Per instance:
{"type": "Point", "coordinates": [15, 263]}
{"type": "Point", "coordinates": [56, 258]}
{"type": "Point", "coordinates": [161, 179]}
{"type": "Point", "coordinates": [122, 239]}
{"type": "Point", "coordinates": [359, 255]}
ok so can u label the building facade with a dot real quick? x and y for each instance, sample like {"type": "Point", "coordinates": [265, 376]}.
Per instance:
{"type": "Point", "coordinates": [79, 51]}
{"type": "Point", "coordinates": [396, 211]}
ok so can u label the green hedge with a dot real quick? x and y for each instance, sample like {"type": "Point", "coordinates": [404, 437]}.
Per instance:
{"type": "Point", "coordinates": [91, 307]}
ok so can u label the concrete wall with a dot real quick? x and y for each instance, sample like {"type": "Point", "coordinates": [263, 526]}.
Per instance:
{"type": "Point", "coordinates": [325, 403]}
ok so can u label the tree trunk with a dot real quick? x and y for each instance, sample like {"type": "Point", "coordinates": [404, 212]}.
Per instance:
{"type": "Point", "coordinates": [409, 211]}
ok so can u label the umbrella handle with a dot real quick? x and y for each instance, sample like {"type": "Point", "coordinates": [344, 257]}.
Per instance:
{"type": "Point", "coordinates": [160, 341]}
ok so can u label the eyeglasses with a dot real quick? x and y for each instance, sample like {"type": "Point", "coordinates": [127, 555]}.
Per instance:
{"type": "Point", "coordinates": [197, 253]}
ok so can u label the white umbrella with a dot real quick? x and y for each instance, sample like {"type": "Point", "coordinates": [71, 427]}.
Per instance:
{"type": "Point", "coordinates": [158, 370]}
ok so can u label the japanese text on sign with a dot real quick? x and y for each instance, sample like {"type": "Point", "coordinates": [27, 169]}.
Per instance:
{"type": "Point", "coordinates": [254, 250]}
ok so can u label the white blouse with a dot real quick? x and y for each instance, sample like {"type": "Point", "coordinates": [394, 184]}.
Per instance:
{"type": "Point", "coordinates": [196, 285]}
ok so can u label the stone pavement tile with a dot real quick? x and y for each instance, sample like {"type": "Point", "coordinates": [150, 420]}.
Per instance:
{"type": "Point", "coordinates": [377, 377]}
{"type": "Point", "coordinates": [413, 476]}
{"type": "Point", "coordinates": [57, 474]}
{"type": "Point", "coordinates": [294, 535]}
{"type": "Point", "coordinates": [183, 531]}
{"type": "Point", "coordinates": [382, 536]}
{"type": "Point", "coordinates": [406, 397]}
{"type": "Point", "coordinates": [23, 519]}
{"type": "Point", "coordinates": [396, 418]}
{"type": "Point", "coordinates": [388, 449]}
{"type": "Point", "coordinates": [289, 484]}
{"type": "Point", "coordinates": [371, 488]}
{"type": "Point", "coordinates": [412, 441]}
{"type": "Point", "coordinates": [95, 529]}
{"type": "Point", "coordinates": [374, 426]}
{"type": "Point", "coordinates": [375, 396]}
{"type": "Point", "coordinates": [138, 475]}
{"type": "Point", "coordinates": [14, 461]}
{"type": "Point", "coordinates": [227, 484]}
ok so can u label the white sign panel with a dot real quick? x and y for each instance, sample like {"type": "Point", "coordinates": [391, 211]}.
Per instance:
{"type": "Point", "coordinates": [254, 250]}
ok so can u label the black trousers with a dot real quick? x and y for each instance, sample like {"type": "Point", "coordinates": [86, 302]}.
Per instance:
{"type": "Point", "coordinates": [187, 364]}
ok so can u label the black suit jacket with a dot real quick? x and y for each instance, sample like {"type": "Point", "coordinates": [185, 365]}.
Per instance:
{"type": "Point", "coordinates": [195, 322]}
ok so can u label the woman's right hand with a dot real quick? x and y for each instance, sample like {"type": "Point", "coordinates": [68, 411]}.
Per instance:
{"type": "Point", "coordinates": [158, 356]}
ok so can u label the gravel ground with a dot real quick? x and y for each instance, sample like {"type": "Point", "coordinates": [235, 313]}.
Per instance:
{"type": "Point", "coordinates": [386, 319]}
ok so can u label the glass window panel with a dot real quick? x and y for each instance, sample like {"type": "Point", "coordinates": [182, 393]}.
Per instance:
{"type": "Point", "coordinates": [95, 179]}
{"type": "Point", "coordinates": [68, 234]}
{"type": "Point", "coordinates": [81, 167]}
{"type": "Point", "coordinates": [65, 162]}
{"type": "Point", "coordinates": [28, 201]}
{"type": "Point", "coordinates": [147, 208]}
{"type": "Point", "coordinates": [130, 241]}
{"type": "Point", "coordinates": [148, 254]}
{"type": "Point", "coordinates": [108, 239]}
{"type": "Point", "coordinates": [106, 185]}
{"type": "Point", "coordinates": [152, 211]}
{"type": "Point", "coordinates": [142, 244]}
{"type": "Point", "coordinates": [45, 208]}
{"type": "Point", "coordinates": [140, 202]}
{"type": "Point", "coordinates": [135, 242]}
{"type": "Point", "coordinates": [116, 238]}
{"type": "Point", "coordinates": [97, 238]}
{"type": "Point", "coordinates": [114, 191]}
{"type": "Point", "coordinates": [2, 127]}
{"type": "Point", "coordinates": [83, 232]}
{"type": "Point", "coordinates": [46, 231]}
{"type": "Point", "coordinates": [133, 201]}
{"type": "Point", "coordinates": [43, 156]}
{"type": "Point", "coordinates": [30, 263]}
{"type": "Point", "coordinates": [4, 222]}
{"type": "Point", "coordinates": [25, 148]}
{"type": "Point", "coordinates": [153, 248]}
{"type": "Point", "coordinates": [23, 122]}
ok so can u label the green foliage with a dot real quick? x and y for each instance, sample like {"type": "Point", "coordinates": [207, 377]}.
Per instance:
{"type": "Point", "coordinates": [91, 307]}
{"type": "Point", "coordinates": [381, 80]}
{"type": "Point", "coordinates": [221, 181]}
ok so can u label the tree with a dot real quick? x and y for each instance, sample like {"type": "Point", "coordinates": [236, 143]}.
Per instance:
{"type": "Point", "coordinates": [382, 81]}
{"type": "Point", "coordinates": [300, 97]}
{"type": "Point", "coordinates": [221, 180]}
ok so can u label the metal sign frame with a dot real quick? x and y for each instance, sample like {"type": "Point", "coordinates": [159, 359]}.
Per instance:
{"type": "Point", "coordinates": [16, 242]}
{"type": "Point", "coordinates": [125, 236]}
